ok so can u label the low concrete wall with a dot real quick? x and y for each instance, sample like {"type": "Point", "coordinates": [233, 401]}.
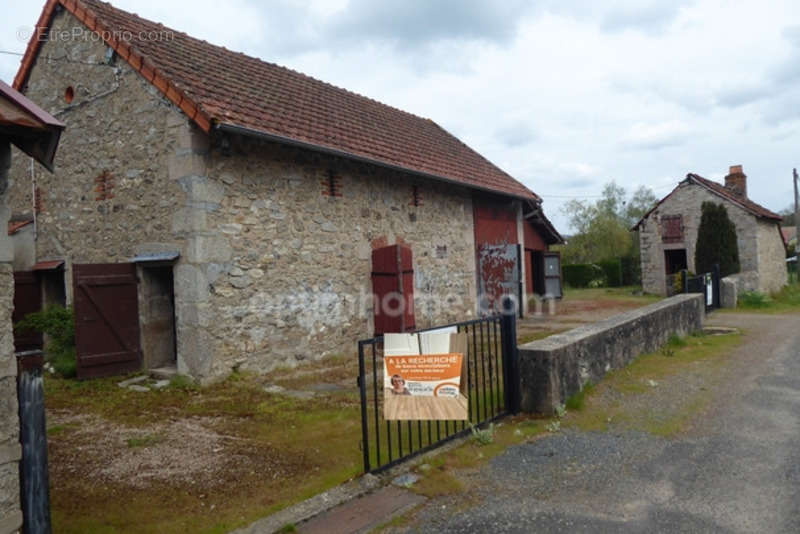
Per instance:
{"type": "Point", "coordinates": [557, 367]}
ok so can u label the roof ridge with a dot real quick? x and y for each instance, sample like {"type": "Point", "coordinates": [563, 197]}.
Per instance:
{"type": "Point", "coordinates": [253, 58]}
{"type": "Point", "coordinates": [720, 190]}
{"type": "Point", "coordinates": [216, 86]}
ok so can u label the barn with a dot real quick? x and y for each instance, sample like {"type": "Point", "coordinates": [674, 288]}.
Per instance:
{"type": "Point", "coordinates": [212, 211]}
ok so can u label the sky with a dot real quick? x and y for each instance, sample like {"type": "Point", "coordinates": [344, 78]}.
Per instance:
{"type": "Point", "coordinates": [564, 96]}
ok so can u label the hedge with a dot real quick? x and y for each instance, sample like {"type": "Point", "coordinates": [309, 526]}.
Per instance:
{"type": "Point", "coordinates": [612, 272]}
{"type": "Point", "coordinates": [581, 274]}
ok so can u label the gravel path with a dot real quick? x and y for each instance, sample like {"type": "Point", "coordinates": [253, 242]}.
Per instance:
{"type": "Point", "coordinates": [736, 470]}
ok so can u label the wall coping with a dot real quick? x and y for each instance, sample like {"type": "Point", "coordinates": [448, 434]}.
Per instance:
{"type": "Point", "coordinates": [558, 341]}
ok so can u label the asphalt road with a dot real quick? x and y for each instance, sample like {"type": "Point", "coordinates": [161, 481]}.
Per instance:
{"type": "Point", "coordinates": [736, 470]}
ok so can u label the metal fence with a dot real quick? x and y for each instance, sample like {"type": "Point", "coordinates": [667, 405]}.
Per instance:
{"type": "Point", "coordinates": [34, 478]}
{"type": "Point", "coordinates": [492, 392]}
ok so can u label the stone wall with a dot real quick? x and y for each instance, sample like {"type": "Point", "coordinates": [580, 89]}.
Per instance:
{"type": "Point", "coordinates": [555, 368]}
{"type": "Point", "coordinates": [687, 200]}
{"type": "Point", "coordinates": [290, 266]}
{"type": "Point", "coordinates": [772, 273]}
{"type": "Point", "coordinates": [272, 270]}
{"type": "Point", "coordinates": [10, 451]}
{"type": "Point", "coordinates": [110, 191]}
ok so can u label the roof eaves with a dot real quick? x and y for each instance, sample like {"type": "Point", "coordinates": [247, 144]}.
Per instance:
{"type": "Point", "coordinates": [249, 132]}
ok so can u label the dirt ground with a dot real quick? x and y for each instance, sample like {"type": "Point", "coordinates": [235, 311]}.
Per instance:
{"type": "Point", "coordinates": [210, 459]}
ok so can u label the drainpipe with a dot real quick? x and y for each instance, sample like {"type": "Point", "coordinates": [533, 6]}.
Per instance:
{"type": "Point", "coordinates": [33, 199]}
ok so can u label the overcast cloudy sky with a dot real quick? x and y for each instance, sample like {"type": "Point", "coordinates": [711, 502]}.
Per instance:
{"type": "Point", "coordinates": [565, 96]}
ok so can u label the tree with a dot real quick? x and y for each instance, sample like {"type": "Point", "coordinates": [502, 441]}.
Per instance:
{"type": "Point", "coordinates": [602, 228]}
{"type": "Point", "coordinates": [716, 241]}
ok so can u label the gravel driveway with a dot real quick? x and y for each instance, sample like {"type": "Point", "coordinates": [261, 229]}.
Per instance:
{"type": "Point", "coordinates": [736, 470]}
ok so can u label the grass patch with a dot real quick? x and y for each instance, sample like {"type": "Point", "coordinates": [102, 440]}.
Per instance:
{"type": "Point", "coordinates": [627, 293]}
{"type": "Point", "coordinates": [614, 400]}
{"type": "Point", "coordinates": [786, 300]}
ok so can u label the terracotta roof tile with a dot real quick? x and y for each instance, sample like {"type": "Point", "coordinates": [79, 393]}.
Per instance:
{"type": "Point", "coordinates": [756, 209]}
{"type": "Point", "coordinates": [215, 85]}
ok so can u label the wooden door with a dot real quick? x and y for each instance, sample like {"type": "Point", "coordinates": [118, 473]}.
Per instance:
{"type": "Point", "coordinates": [106, 319]}
{"type": "Point", "coordinates": [393, 289]}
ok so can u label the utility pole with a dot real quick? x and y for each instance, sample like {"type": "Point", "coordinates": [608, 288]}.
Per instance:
{"type": "Point", "coordinates": [796, 216]}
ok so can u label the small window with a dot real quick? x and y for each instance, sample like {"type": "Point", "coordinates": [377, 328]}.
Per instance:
{"type": "Point", "coordinates": [672, 228]}
{"type": "Point", "coordinates": [69, 94]}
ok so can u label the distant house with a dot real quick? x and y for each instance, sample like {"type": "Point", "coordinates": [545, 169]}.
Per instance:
{"type": "Point", "coordinates": [668, 233]}
{"type": "Point", "coordinates": [215, 212]}
{"type": "Point", "coordinates": [789, 234]}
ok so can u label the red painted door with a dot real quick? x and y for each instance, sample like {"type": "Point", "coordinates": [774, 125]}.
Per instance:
{"type": "Point", "coordinates": [27, 299]}
{"type": "Point", "coordinates": [106, 319]}
{"type": "Point", "coordinates": [393, 289]}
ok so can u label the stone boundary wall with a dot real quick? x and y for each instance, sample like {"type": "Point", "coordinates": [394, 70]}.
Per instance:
{"type": "Point", "coordinates": [555, 368]}
{"type": "Point", "coordinates": [10, 450]}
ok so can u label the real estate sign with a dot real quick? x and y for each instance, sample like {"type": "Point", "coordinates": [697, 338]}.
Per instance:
{"type": "Point", "coordinates": [423, 376]}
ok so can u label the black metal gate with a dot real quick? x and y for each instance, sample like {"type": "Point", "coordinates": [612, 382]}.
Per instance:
{"type": "Point", "coordinates": [34, 478]}
{"type": "Point", "coordinates": [493, 391]}
{"type": "Point", "coordinates": [707, 284]}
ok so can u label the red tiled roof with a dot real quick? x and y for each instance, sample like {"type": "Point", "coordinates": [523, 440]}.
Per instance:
{"type": "Point", "coordinates": [16, 226]}
{"type": "Point", "coordinates": [748, 205]}
{"type": "Point", "coordinates": [756, 209]}
{"type": "Point", "coordinates": [215, 86]}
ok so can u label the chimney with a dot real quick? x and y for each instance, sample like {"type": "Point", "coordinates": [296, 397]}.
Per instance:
{"type": "Point", "coordinates": [736, 181]}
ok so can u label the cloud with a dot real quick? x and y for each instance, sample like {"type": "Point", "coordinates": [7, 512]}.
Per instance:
{"type": "Point", "coordinates": [656, 135]}
{"type": "Point", "coordinates": [413, 24]}
{"type": "Point", "coordinates": [516, 134]}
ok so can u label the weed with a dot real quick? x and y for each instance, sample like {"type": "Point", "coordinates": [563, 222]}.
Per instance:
{"type": "Point", "coordinates": [289, 527]}
{"type": "Point", "coordinates": [676, 341]}
{"type": "Point", "coordinates": [482, 436]}
{"type": "Point", "coordinates": [553, 426]}
{"type": "Point", "coordinates": [560, 411]}
{"type": "Point", "coordinates": [578, 400]}
{"type": "Point", "coordinates": [184, 383]}
{"type": "Point", "coordinates": [59, 325]}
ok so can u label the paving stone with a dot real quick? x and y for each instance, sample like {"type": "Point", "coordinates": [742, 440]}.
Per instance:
{"type": "Point", "coordinates": [131, 381]}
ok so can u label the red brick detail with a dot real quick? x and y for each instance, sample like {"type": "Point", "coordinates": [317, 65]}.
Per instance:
{"type": "Point", "coordinates": [332, 185]}
{"type": "Point", "coordinates": [104, 186]}
{"type": "Point", "coordinates": [379, 242]}
{"type": "Point", "coordinates": [38, 202]}
{"type": "Point", "coordinates": [416, 196]}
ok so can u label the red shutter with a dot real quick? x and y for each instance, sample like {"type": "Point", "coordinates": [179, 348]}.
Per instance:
{"type": "Point", "coordinates": [672, 228]}
{"type": "Point", "coordinates": [393, 289]}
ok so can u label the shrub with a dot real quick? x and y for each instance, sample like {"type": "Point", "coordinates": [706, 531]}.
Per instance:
{"type": "Point", "coordinates": [631, 270]}
{"type": "Point", "coordinates": [716, 241]}
{"type": "Point", "coordinates": [612, 272]}
{"type": "Point", "coordinates": [58, 323]}
{"type": "Point", "coordinates": [582, 274]}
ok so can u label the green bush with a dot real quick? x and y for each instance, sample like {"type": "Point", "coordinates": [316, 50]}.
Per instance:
{"type": "Point", "coordinates": [582, 274]}
{"type": "Point", "coordinates": [631, 270]}
{"type": "Point", "coordinates": [612, 272]}
{"type": "Point", "coordinates": [58, 323]}
{"type": "Point", "coordinates": [716, 241]}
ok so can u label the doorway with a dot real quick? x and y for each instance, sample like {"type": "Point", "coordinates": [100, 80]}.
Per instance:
{"type": "Point", "coordinates": [157, 316]}
{"type": "Point", "coordinates": [675, 260]}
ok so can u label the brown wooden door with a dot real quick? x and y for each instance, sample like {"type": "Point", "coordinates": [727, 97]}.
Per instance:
{"type": "Point", "coordinates": [106, 319]}
{"type": "Point", "coordinates": [393, 289]}
{"type": "Point", "coordinates": [27, 299]}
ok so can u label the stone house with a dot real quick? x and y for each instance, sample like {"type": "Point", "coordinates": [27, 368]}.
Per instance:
{"type": "Point", "coordinates": [668, 233]}
{"type": "Point", "coordinates": [213, 211]}
{"type": "Point", "coordinates": [30, 129]}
